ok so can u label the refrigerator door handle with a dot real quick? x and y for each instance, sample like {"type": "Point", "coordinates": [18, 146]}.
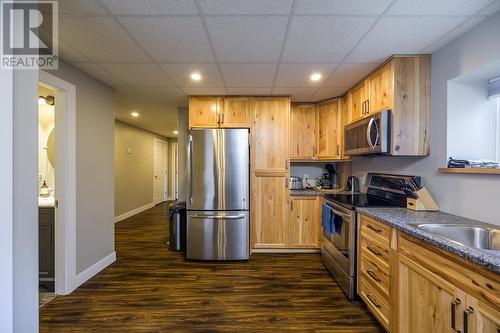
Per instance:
{"type": "Point", "coordinates": [218, 217]}
{"type": "Point", "coordinates": [190, 156]}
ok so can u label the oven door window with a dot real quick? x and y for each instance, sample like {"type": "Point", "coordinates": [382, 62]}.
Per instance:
{"type": "Point", "coordinates": [340, 237]}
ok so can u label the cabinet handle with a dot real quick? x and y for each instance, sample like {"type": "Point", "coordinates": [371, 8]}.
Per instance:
{"type": "Point", "coordinates": [378, 254]}
{"type": "Point", "coordinates": [314, 151]}
{"type": "Point", "coordinates": [218, 118]}
{"type": "Point", "coordinates": [467, 312]}
{"type": "Point", "coordinates": [291, 204]}
{"type": "Point", "coordinates": [286, 164]}
{"type": "Point", "coordinates": [338, 150]}
{"type": "Point", "coordinates": [378, 231]}
{"type": "Point", "coordinates": [454, 304]}
{"type": "Point", "coordinates": [367, 106]}
{"type": "Point", "coordinates": [363, 108]}
{"type": "Point", "coordinates": [222, 115]}
{"type": "Point", "coordinates": [378, 306]}
{"type": "Point", "coordinates": [286, 182]}
{"type": "Point", "coordinates": [373, 276]}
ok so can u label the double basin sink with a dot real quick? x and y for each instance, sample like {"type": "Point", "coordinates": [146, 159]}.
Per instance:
{"type": "Point", "coordinates": [476, 237]}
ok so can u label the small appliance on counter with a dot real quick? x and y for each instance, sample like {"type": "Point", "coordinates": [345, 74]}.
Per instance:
{"type": "Point", "coordinates": [352, 184]}
{"type": "Point", "coordinates": [296, 183]}
{"type": "Point", "coordinates": [329, 179]}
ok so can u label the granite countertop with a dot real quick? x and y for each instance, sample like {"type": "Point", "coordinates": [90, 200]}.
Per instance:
{"type": "Point", "coordinates": [407, 221]}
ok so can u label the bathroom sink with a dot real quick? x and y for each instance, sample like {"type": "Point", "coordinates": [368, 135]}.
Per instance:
{"type": "Point", "coordinates": [46, 202]}
{"type": "Point", "coordinates": [476, 237]}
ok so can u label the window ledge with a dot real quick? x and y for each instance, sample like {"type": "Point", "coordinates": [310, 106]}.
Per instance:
{"type": "Point", "coordinates": [480, 171]}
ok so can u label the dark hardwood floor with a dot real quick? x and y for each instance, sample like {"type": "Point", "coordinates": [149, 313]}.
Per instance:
{"type": "Point", "coordinates": [151, 289]}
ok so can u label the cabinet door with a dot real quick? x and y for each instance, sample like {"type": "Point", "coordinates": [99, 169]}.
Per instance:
{"type": "Point", "coordinates": [329, 128]}
{"type": "Point", "coordinates": [381, 89]}
{"type": "Point", "coordinates": [357, 102]}
{"type": "Point", "coordinates": [427, 303]}
{"type": "Point", "coordinates": [236, 112]}
{"type": "Point", "coordinates": [46, 242]}
{"type": "Point", "coordinates": [303, 132]}
{"type": "Point", "coordinates": [270, 126]}
{"type": "Point", "coordinates": [479, 317]}
{"type": "Point", "coordinates": [270, 201]}
{"type": "Point", "coordinates": [304, 227]}
{"type": "Point", "coordinates": [204, 111]}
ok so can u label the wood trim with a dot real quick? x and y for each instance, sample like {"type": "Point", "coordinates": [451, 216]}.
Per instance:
{"type": "Point", "coordinates": [478, 171]}
{"type": "Point", "coordinates": [285, 250]}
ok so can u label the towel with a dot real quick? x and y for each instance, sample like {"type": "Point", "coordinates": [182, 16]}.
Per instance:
{"type": "Point", "coordinates": [326, 219]}
{"type": "Point", "coordinates": [337, 224]}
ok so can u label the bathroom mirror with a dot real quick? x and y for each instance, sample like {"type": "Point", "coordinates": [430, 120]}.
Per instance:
{"type": "Point", "coordinates": [51, 148]}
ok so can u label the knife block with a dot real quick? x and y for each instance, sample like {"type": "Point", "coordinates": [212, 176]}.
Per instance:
{"type": "Point", "coordinates": [423, 202]}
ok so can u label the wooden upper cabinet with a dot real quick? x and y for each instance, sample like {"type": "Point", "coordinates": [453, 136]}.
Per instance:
{"type": "Point", "coordinates": [358, 98]}
{"type": "Point", "coordinates": [270, 134]}
{"type": "Point", "coordinates": [270, 200]}
{"type": "Point", "coordinates": [381, 89]}
{"type": "Point", "coordinates": [235, 112]}
{"type": "Point", "coordinates": [330, 130]}
{"type": "Point", "coordinates": [204, 111]}
{"type": "Point", "coordinates": [303, 132]}
{"type": "Point", "coordinates": [427, 303]}
{"type": "Point", "coordinates": [304, 230]}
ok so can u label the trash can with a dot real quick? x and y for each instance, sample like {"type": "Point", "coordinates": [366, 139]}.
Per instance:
{"type": "Point", "coordinates": [177, 223]}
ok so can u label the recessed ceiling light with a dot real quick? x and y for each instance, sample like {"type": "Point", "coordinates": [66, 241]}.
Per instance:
{"type": "Point", "coordinates": [195, 76]}
{"type": "Point", "coordinates": [315, 77]}
{"type": "Point", "coordinates": [176, 132]}
{"type": "Point", "coordinates": [134, 114]}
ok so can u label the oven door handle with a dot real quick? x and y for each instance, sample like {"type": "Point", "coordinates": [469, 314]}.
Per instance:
{"type": "Point", "coordinates": [337, 212]}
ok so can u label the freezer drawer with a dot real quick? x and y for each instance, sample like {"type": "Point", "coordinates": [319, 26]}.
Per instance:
{"type": "Point", "coordinates": [218, 235]}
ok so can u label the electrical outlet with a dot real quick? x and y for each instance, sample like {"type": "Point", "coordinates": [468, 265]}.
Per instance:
{"type": "Point", "coordinates": [305, 180]}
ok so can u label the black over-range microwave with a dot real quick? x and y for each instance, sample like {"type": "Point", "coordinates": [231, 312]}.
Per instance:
{"type": "Point", "coordinates": [370, 135]}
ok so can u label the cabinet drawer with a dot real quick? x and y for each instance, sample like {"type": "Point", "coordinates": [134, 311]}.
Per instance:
{"type": "Point", "coordinates": [376, 274]}
{"type": "Point", "coordinates": [375, 230]}
{"type": "Point", "coordinates": [377, 304]}
{"type": "Point", "coordinates": [377, 252]}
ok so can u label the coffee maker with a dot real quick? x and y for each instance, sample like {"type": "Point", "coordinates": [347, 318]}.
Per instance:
{"type": "Point", "coordinates": [329, 178]}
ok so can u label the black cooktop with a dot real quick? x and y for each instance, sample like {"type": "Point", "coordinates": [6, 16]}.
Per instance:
{"type": "Point", "coordinates": [352, 201]}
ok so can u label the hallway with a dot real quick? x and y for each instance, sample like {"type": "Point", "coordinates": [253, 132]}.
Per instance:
{"type": "Point", "coordinates": [151, 289]}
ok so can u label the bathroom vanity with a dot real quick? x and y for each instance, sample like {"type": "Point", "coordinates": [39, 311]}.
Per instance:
{"type": "Point", "coordinates": [46, 244]}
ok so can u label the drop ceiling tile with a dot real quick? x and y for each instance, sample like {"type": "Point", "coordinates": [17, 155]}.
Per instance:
{"type": "Point", "coordinates": [433, 7]}
{"type": "Point", "coordinates": [81, 7]}
{"type": "Point", "coordinates": [68, 53]}
{"type": "Point", "coordinates": [246, 7]}
{"type": "Point", "coordinates": [248, 75]}
{"type": "Point", "coordinates": [106, 41]}
{"type": "Point", "coordinates": [99, 73]}
{"type": "Point", "coordinates": [129, 94]}
{"type": "Point", "coordinates": [342, 7]}
{"type": "Point", "coordinates": [326, 93]}
{"type": "Point", "coordinates": [458, 31]}
{"type": "Point", "coordinates": [152, 117]}
{"type": "Point", "coordinates": [391, 36]}
{"type": "Point", "coordinates": [139, 74]}
{"type": "Point", "coordinates": [297, 94]}
{"type": "Point", "coordinates": [490, 9]}
{"type": "Point", "coordinates": [171, 39]}
{"type": "Point", "coordinates": [180, 74]}
{"type": "Point", "coordinates": [193, 91]}
{"type": "Point", "coordinates": [323, 39]}
{"type": "Point", "coordinates": [247, 39]}
{"type": "Point", "coordinates": [297, 75]}
{"type": "Point", "coordinates": [151, 7]}
{"type": "Point", "coordinates": [252, 91]}
{"type": "Point", "coordinates": [165, 96]}
{"type": "Point", "coordinates": [346, 75]}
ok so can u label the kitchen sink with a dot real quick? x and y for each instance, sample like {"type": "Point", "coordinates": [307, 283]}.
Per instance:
{"type": "Point", "coordinates": [477, 237]}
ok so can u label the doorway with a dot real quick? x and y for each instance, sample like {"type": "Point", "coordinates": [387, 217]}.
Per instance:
{"type": "Point", "coordinates": [160, 181]}
{"type": "Point", "coordinates": [57, 184]}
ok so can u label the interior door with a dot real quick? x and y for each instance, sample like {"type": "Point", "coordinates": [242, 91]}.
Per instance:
{"type": "Point", "coordinates": [159, 164]}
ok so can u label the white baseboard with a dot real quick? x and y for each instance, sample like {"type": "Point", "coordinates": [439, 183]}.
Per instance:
{"type": "Point", "coordinates": [133, 212]}
{"type": "Point", "coordinates": [94, 269]}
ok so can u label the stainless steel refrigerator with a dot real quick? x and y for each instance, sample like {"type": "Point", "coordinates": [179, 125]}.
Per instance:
{"type": "Point", "coordinates": [218, 219]}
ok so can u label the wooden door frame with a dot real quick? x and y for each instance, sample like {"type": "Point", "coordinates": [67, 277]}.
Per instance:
{"type": "Point", "coordinates": [165, 167]}
{"type": "Point", "coordinates": [174, 165]}
{"type": "Point", "coordinates": [65, 222]}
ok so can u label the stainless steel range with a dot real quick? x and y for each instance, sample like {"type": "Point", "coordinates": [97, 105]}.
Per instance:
{"type": "Point", "coordinates": [338, 248]}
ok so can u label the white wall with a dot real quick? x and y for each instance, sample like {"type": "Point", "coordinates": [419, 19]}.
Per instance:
{"type": "Point", "coordinates": [95, 166]}
{"type": "Point", "coordinates": [473, 196]}
{"type": "Point", "coordinates": [46, 122]}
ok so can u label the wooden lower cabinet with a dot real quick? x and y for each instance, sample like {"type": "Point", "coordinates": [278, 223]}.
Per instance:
{"type": "Point", "coordinates": [411, 286]}
{"type": "Point", "coordinates": [427, 303]}
{"type": "Point", "coordinates": [270, 205]}
{"type": "Point", "coordinates": [304, 228]}
{"type": "Point", "coordinates": [46, 247]}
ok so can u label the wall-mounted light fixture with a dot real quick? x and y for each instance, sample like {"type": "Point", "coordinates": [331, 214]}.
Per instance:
{"type": "Point", "coordinates": [49, 100]}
